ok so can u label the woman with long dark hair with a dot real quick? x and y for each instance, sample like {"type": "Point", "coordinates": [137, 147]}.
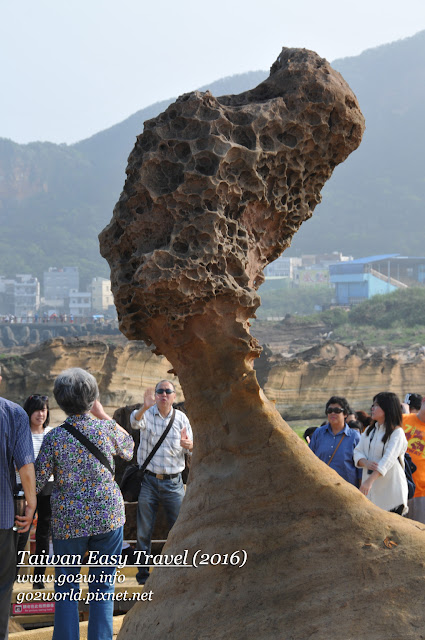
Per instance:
{"type": "Point", "coordinates": [380, 453]}
{"type": "Point", "coordinates": [37, 408]}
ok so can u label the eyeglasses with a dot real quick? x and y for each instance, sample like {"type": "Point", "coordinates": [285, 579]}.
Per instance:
{"type": "Point", "coordinates": [334, 410]}
{"type": "Point", "coordinates": [37, 395]}
{"type": "Point", "coordinates": [161, 391]}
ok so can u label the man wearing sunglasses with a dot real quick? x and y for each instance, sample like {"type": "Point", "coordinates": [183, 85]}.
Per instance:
{"type": "Point", "coordinates": [334, 442]}
{"type": "Point", "coordinates": [162, 480]}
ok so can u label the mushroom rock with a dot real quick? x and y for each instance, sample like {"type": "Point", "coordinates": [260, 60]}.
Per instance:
{"type": "Point", "coordinates": [216, 188]}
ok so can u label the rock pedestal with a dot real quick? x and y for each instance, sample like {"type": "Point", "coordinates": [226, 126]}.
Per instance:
{"type": "Point", "coordinates": [216, 188]}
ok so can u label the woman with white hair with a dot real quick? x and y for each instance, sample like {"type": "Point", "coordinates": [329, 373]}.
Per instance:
{"type": "Point", "coordinates": [87, 505]}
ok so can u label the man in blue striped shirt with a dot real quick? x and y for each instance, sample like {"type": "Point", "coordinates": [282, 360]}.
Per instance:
{"type": "Point", "coordinates": [15, 449]}
{"type": "Point", "coordinates": [334, 443]}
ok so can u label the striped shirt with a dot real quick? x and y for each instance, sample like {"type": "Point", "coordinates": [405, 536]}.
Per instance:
{"type": "Point", "coordinates": [15, 449]}
{"type": "Point", "coordinates": [170, 456]}
{"type": "Point", "coordinates": [37, 440]}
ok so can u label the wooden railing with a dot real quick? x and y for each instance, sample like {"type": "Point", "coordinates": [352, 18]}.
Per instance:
{"type": "Point", "coordinates": [393, 281]}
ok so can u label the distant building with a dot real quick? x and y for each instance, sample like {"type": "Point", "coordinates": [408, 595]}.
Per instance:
{"type": "Point", "coordinates": [359, 280]}
{"type": "Point", "coordinates": [310, 269]}
{"type": "Point", "coordinates": [7, 296]}
{"type": "Point", "coordinates": [57, 283]}
{"type": "Point", "coordinates": [80, 304]}
{"type": "Point", "coordinates": [312, 276]}
{"type": "Point", "coordinates": [27, 295]}
{"type": "Point", "coordinates": [19, 297]}
{"type": "Point", "coordinates": [282, 267]}
{"type": "Point", "coordinates": [323, 260]}
{"type": "Point", "coordinates": [101, 295]}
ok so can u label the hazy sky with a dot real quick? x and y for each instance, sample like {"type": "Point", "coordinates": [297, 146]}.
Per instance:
{"type": "Point", "coordinates": [71, 69]}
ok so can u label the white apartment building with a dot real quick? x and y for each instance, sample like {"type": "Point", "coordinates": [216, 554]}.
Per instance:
{"type": "Point", "coordinates": [79, 303]}
{"type": "Point", "coordinates": [19, 297]}
{"type": "Point", "coordinates": [282, 267]}
{"type": "Point", "coordinates": [101, 295]}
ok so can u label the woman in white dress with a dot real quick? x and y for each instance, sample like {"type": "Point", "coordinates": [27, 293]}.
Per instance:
{"type": "Point", "coordinates": [380, 453]}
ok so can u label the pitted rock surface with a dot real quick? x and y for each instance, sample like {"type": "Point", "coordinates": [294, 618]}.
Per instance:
{"type": "Point", "coordinates": [217, 187]}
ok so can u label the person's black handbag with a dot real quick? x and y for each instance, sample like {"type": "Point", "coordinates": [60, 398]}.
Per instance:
{"type": "Point", "coordinates": [47, 489]}
{"type": "Point", "coordinates": [409, 470]}
{"type": "Point", "coordinates": [186, 470]}
{"type": "Point", "coordinates": [131, 482]}
{"type": "Point", "coordinates": [133, 475]}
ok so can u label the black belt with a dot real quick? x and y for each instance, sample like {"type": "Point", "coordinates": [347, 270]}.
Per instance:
{"type": "Point", "coordinates": [162, 476]}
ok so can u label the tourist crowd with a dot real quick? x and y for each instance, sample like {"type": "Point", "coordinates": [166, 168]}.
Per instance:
{"type": "Point", "coordinates": [383, 454]}
{"type": "Point", "coordinates": [73, 489]}
{"type": "Point", "coordinates": [79, 503]}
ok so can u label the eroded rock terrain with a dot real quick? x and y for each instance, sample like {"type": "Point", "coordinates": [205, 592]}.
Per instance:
{"type": "Point", "coordinates": [299, 385]}
{"type": "Point", "coordinates": [122, 369]}
{"type": "Point", "coordinates": [216, 188]}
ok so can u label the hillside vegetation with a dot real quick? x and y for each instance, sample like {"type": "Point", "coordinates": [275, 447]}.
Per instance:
{"type": "Point", "coordinates": [394, 319]}
{"type": "Point", "coordinates": [55, 199]}
{"type": "Point", "coordinates": [278, 299]}
{"type": "Point", "coordinates": [378, 193]}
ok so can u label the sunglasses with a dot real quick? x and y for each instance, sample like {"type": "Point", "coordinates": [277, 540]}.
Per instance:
{"type": "Point", "coordinates": [161, 391]}
{"type": "Point", "coordinates": [334, 410]}
{"type": "Point", "coordinates": [37, 395]}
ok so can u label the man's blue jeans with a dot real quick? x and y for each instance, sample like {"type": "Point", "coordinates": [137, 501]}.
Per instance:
{"type": "Point", "coordinates": [154, 492]}
{"type": "Point", "coordinates": [101, 610]}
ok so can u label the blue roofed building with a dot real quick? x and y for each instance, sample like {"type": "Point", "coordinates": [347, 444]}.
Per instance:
{"type": "Point", "coordinates": [361, 279]}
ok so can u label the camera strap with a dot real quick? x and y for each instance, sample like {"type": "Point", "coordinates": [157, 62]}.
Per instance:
{"type": "Point", "coordinates": [336, 449]}
{"type": "Point", "coordinates": [159, 442]}
{"type": "Point", "coordinates": [89, 445]}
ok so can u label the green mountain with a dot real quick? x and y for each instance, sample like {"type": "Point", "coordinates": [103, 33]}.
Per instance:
{"type": "Point", "coordinates": [375, 200]}
{"type": "Point", "coordinates": [54, 199]}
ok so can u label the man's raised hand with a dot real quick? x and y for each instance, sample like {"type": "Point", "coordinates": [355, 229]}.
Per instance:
{"type": "Point", "coordinates": [149, 398]}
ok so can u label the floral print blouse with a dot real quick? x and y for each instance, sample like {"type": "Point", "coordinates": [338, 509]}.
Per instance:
{"type": "Point", "coordinates": [85, 499]}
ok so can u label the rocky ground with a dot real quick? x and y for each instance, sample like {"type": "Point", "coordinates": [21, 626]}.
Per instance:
{"type": "Point", "coordinates": [286, 337]}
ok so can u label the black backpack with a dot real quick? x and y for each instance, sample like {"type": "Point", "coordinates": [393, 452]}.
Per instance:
{"type": "Point", "coordinates": [409, 470]}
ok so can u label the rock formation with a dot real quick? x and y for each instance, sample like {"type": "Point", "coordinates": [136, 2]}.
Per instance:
{"type": "Point", "coordinates": [121, 369]}
{"type": "Point", "coordinates": [216, 188]}
{"type": "Point", "coordinates": [301, 384]}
